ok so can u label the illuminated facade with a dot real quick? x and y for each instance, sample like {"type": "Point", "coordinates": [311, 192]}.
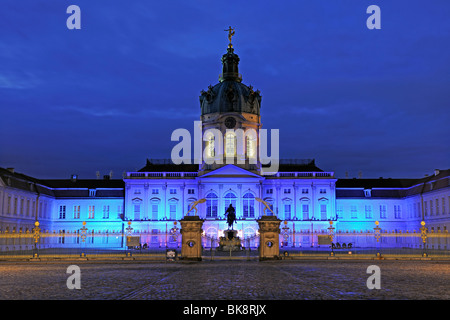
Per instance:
{"type": "Point", "coordinates": [159, 194]}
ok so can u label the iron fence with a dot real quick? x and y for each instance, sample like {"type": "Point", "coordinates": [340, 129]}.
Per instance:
{"type": "Point", "coordinates": [85, 243]}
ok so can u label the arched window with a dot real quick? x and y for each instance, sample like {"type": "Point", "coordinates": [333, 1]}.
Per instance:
{"type": "Point", "coordinates": [190, 202]}
{"type": "Point", "coordinates": [323, 208]}
{"type": "Point", "coordinates": [210, 152]}
{"type": "Point", "coordinates": [154, 207]}
{"type": "Point", "coordinates": [229, 198]}
{"type": "Point", "coordinates": [250, 142]}
{"type": "Point", "coordinates": [211, 233]}
{"type": "Point", "coordinates": [304, 207]}
{"type": "Point", "coordinates": [211, 205]}
{"type": "Point", "coordinates": [173, 206]}
{"type": "Point", "coordinates": [249, 205]}
{"type": "Point", "coordinates": [137, 202]}
{"type": "Point", "coordinates": [230, 144]}
{"type": "Point", "coordinates": [270, 203]}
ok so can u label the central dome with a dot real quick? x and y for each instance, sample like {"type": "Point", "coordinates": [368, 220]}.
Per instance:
{"type": "Point", "coordinates": [230, 94]}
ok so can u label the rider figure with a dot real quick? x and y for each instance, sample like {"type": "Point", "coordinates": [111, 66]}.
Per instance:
{"type": "Point", "coordinates": [231, 216]}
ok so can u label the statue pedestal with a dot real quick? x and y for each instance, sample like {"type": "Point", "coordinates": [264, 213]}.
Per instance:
{"type": "Point", "coordinates": [191, 238]}
{"type": "Point", "coordinates": [269, 238]}
{"type": "Point", "coordinates": [230, 241]}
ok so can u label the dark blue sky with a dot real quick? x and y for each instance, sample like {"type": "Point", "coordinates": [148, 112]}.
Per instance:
{"type": "Point", "coordinates": [108, 96]}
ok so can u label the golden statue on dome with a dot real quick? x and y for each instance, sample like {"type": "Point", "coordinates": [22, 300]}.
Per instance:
{"type": "Point", "coordinates": [231, 33]}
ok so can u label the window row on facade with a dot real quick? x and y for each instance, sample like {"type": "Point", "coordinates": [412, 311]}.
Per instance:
{"type": "Point", "coordinates": [18, 206]}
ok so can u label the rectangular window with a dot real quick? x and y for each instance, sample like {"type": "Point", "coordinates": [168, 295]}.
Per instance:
{"type": "Point", "coordinates": [155, 191]}
{"type": "Point", "coordinates": [21, 206]}
{"type": "Point", "coordinates": [173, 211]}
{"type": "Point", "coordinates": [397, 211]}
{"type": "Point", "coordinates": [444, 211]}
{"type": "Point", "coordinates": [305, 191]}
{"type": "Point", "coordinates": [431, 208]}
{"type": "Point", "coordinates": [323, 190]}
{"type": "Point", "coordinates": [340, 212]}
{"type": "Point", "coordinates": [287, 191]}
{"type": "Point", "coordinates": [305, 210]}
{"type": "Point", "coordinates": [383, 213]}
{"type": "Point", "coordinates": [154, 212]}
{"type": "Point", "coordinates": [28, 208]}
{"type": "Point", "coordinates": [40, 210]}
{"type": "Point", "coordinates": [191, 191]}
{"type": "Point", "coordinates": [8, 206]}
{"type": "Point", "coordinates": [91, 212]}
{"type": "Point", "coordinates": [287, 212]}
{"type": "Point", "coordinates": [269, 191]}
{"type": "Point", "coordinates": [173, 191]}
{"type": "Point", "coordinates": [437, 207]}
{"type": "Point", "coordinates": [62, 212]}
{"type": "Point", "coordinates": [105, 212]}
{"type": "Point", "coordinates": [76, 212]}
{"type": "Point", "coordinates": [353, 212]}
{"type": "Point", "coordinates": [323, 212]}
{"type": "Point", "coordinates": [15, 206]}
{"type": "Point", "coordinates": [137, 212]}
{"type": "Point", "coordinates": [368, 211]}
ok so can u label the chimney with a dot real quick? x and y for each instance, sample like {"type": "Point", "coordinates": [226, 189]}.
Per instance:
{"type": "Point", "coordinates": [436, 172]}
{"type": "Point", "coordinates": [10, 170]}
{"type": "Point", "coordinates": [98, 174]}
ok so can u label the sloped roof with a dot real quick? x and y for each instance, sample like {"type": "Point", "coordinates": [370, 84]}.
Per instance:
{"type": "Point", "coordinates": [391, 188]}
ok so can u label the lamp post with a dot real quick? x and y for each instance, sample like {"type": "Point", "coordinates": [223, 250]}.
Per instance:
{"type": "Point", "coordinates": [129, 231]}
{"type": "Point", "coordinates": [331, 236]}
{"type": "Point", "coordinates": [174, 232]}
{"type": "Point", "coordinates": [83, 237]}
{"type": "Point", "coordinates": [285, 234]}
{"type": "Point", "coordinates": [423, 235]}
{"type": "Point", "coordinates": [377, 231]}
{"type": "Point", "coordinates": [36, 236]}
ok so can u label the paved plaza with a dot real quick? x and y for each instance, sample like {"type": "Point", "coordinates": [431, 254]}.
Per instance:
{"type": "Point", "coordinates": [225, 280]}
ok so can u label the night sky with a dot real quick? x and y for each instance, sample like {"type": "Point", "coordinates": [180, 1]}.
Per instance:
{"type": "Point", "coordinates": [108, 96]}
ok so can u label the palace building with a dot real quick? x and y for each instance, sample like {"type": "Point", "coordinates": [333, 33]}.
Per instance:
{"type": "Point", "coordinates": [161, 193]}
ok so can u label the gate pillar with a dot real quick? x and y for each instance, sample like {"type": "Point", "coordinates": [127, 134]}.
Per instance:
{"type": "Point", "coordinates": [269, 237]}
{"type": "Point", "coordinates": [191, 238]}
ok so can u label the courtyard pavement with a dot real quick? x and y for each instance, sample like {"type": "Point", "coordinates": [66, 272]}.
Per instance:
{"type": "Point", "coordinates": [226, 280]}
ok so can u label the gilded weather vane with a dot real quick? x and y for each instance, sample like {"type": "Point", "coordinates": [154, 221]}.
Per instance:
{"type": "Point", "coordinates": [230, 35]}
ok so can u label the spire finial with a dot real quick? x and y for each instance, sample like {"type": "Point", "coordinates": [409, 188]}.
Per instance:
{"type": "Point", "coordinates": [230, 35]}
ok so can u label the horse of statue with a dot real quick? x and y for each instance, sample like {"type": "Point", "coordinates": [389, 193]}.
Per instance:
{"type": "Point", "coordinates": [231, 216]}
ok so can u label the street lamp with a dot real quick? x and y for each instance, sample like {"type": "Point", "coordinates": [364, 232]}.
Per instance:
{"type": "Point", "coordinates": [423, 231]}
{"type": "Point", "coordinates": [36, 236]}
{"type": "Point", "coordinates": [174, 232]}
{"type": "Point", "coordinates": [285, 234]}
{"type": "Point", "coordinates": [377, 231]}
{"type": "Point", "coordinates": [83, 236]}
{"type": "Point", "coordinates": [129, 231]}
{"type": "Point", "coordinates": [331, 236]}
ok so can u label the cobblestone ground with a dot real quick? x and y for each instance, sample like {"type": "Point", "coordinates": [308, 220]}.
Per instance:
{"type": "Point", "coordinates": [217, 280]}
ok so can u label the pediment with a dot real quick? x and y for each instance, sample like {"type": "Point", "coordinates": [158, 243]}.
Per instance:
{"type": "Point", "coordinates": [230, 171]}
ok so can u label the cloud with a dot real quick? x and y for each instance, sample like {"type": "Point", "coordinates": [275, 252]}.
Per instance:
{"type": "Point", "coordinates": [19, 81]}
